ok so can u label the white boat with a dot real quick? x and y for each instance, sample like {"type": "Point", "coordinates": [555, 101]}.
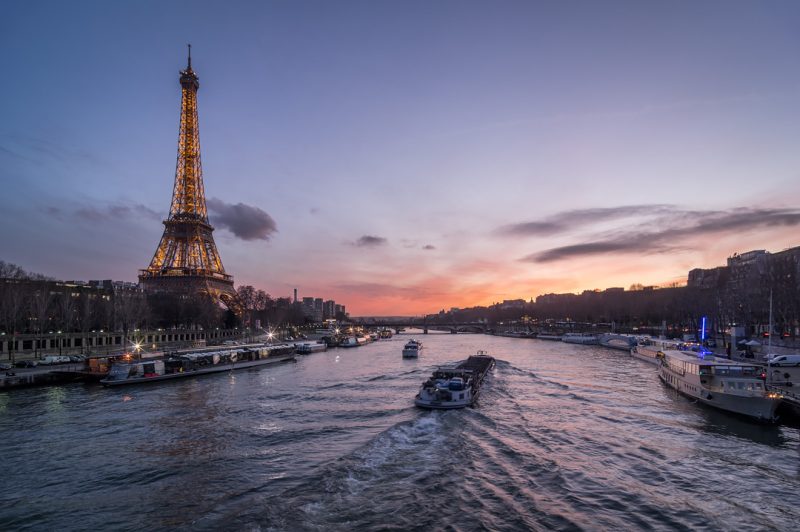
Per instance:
{"type": "Point", "coordinates": [650, 349]}
{"type": "Point", "coordinates": [623, 342]}
{"type": "Point", "coordinates": [311, 347]}
{"type": "Point", "coordinates": [412, 349]}
{"type": "Point", "coordinates": [455, 386]}
{"type": "Point", "coordinates": [549, 336]}
{"type": "Point", "coordinates": [719, 382]}
{"type": "Point", "coordinates": [350, 341]}
{"type": "Point", "coordinates": [580, 338]}
{"type": "Point", "coordinates": [197, 363]}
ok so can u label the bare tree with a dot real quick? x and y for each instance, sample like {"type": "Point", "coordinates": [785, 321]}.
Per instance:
{"type": "Point", "coordinates": [13, 308]}
{"type": "Point", "coordinates": [40, 304]}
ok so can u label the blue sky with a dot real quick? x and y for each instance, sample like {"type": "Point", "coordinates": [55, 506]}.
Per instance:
{"type": "Point", "coordinates": [487, 150]}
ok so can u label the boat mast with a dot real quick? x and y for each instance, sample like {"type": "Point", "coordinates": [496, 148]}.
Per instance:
{"type": "Point", "coordinates": [769, 342]}
{"type": "Point", "coordinates": [769, 338]}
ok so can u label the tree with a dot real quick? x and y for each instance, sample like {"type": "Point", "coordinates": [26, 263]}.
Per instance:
{"type": "Point", "coordinates": [40, 303]}
{"type": "Point", "coordinates": [13, 308]}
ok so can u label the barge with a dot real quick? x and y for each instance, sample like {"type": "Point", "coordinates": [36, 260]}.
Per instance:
{"type": "Point", "coordinates": [455, 386]}
{"type": "Point", "coordinates": [199, 363]}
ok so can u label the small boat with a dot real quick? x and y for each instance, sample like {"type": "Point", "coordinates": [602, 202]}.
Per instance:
{"type": "Point", "coordinates": [650, 349]}
{"type": "Point", "coordinates": [455, 386]}
{"type": "Point", "coordinates": [623, 342]}
{"type": "Point", "coordinates": [349, 341]}
{"type": "Point", "coordinates": [412, 349]}
{"type": "Point", "coordinates": [311, 347]}
{"type": "Point", "coordinates": [198, 363]}
{"type": "Point", "coordinates": [580, 338]}
{"type": "Point", "coordinates": [718, 382]}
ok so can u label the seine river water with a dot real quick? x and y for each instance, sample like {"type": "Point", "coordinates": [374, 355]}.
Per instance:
{"type": "Point", "coordinates": [564, 437]}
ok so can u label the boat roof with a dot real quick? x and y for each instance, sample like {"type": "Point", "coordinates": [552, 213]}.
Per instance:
{"type": "Point", "coordinates": [704, 359]}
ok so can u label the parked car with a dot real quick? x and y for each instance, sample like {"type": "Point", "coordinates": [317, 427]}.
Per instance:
{"type": "Point", "coordinates": [4, 366]}
{"type": "Point", "coordinates": [784, 360]}
{"type": "Point", "coordinates": [55, 359]}
{"type": "Point", "coordinates": [26, 364]}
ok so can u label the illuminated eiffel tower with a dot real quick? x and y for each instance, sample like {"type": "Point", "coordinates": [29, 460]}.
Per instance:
{"type": "Point", "coordinates": [186, 260]}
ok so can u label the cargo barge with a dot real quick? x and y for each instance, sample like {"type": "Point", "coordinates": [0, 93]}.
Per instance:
{"type": "Point", "coordinates": [455, 386]}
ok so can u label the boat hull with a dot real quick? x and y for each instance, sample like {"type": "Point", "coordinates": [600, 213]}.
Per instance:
{"type": "Point", "coordinates": [450, 388]}
{"type": "Point", "coordinates": [442, 405]}
{"type": "Point", "coordinates": [200, 371]}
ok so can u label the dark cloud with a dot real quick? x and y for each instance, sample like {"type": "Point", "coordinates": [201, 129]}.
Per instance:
{"type": "Point", "coordinates": [244, 221]}
{"type": "Point", "coordinates": [369, 241]}
{"type": "Point", "coordinates": [567, 220]}
{"type": "Point", "coordinates": [92, 213]}
{"type": "Point", "coordinates": [674, 236]}
{"type": "Point", "coordinates": [37, 150]}
{"type": "Point", "coordinates": [428, 247]}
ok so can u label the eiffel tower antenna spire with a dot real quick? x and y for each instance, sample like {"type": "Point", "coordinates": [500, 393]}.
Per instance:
{"type": "Point", "coordinates": [186, 259]}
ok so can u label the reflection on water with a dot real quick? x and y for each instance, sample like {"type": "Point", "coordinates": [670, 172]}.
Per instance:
{"type": "Point", "coordinates": [564, 436]}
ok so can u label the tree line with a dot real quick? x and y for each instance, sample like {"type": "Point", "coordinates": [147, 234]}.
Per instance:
{"type": "Point", "coordinates": [34, 304]}
{"type": "Point", "coordinates": [734, 300]}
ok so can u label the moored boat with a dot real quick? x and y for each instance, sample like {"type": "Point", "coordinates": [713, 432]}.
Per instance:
{"type": "Point", "coordinates": [412, 349]}
{"type": "Point", "coordinates": [556, 337]}
{"type": "Point", "coordinates": [650, 349]}
{"type": "Point", "coordinates": [622, 342]}
{"type": "Point", "coordinates": [349, 341]}
{"type": "Point", "coordinates": [580, 338]}
{"type": "Point", "coordinates": [455, 386]}
{"type": "Point", "coordinates": [721, 383]}
{"type": "Point", "coordinates": [311, 347]}
{"type": "Point", "coordinates": [198, 363]}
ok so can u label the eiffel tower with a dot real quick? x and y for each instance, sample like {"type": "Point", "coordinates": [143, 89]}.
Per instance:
{"type": "Point", "coordinates": [186, 260]}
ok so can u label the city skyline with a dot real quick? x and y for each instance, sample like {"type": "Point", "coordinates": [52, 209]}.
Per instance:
{"type": "Point", "coordinates": [404, 158]}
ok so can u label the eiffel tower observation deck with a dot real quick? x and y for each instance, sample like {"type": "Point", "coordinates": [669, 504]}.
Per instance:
{"type": "Point", "coordinates": [186, 260]}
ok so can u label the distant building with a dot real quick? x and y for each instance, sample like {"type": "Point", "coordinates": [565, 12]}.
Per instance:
{"type": "Point", "coordinates": [318, 309]}
{"type": "Point", "coordinates": [329, 309]}
{"type": "Point", "coordinates": [711, 278]}
{"type": "Point", "coordinates": [512, 303]}
{"type": "Point", "coordinates": [308, 307]}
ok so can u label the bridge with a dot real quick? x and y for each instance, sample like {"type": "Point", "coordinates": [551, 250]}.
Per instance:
{"type": "Point", "coordinates": [425, 325]}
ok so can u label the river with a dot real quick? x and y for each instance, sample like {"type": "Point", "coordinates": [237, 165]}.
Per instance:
{"type": "Point", "coordinates": [564, 437]}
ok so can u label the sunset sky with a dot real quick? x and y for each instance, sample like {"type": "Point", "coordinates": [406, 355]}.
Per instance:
{"type": "Point", "coordinates": [404, 157]}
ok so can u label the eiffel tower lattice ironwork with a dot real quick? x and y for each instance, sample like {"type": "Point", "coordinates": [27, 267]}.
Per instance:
{"type": "Point", "coordinates": [186, 260]}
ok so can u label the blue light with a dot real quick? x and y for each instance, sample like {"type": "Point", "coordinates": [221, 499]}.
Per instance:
{"type": "Point", "coordinates": [703, 330]}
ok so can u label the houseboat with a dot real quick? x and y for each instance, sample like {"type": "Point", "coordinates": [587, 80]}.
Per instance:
{"type": "Point", "coordinates": [721, 383]}
{"type": "Point", "coordinates": [188, 364]}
